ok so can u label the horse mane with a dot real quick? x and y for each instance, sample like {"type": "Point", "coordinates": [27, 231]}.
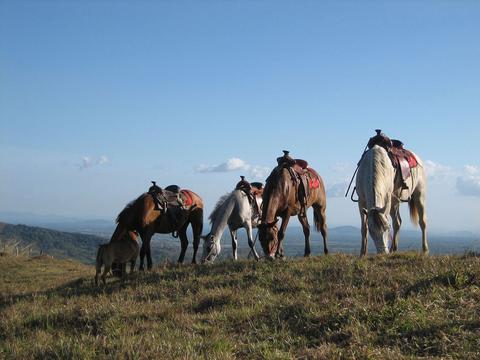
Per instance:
{"type": "Point", "coordinates": [380, 177]}
{"type": "Point", "coordinates": [216, 211]}
{"type": "Point", "coordinates": [124, 215]}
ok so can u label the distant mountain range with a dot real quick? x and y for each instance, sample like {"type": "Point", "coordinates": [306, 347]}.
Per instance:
{"type": "Point", "coordinates": [79, 240]}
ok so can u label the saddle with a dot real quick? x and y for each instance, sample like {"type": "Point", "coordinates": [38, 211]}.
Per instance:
{"type": "Point", "coordinates": [401, 158]}
{"type": "Point", "coordinates": [304, 177]}
{"type": "Point", "coordinates": [171, 196]}
{"type": "Point", "coordinates": [254, 193]}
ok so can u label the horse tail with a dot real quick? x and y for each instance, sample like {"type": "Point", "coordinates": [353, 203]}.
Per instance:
{"type": "Point", "coordinates": [412, 205]}
{"type": "Point", "coordinates": [119, 233]}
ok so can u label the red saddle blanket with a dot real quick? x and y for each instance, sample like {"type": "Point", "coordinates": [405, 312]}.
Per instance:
{"type": "Point", "coordinates": [187, 198]}
{"type": "Point", "coordinates": [399, 155]}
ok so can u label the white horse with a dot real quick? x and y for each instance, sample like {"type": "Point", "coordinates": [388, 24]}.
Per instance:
{"type": "Point", "coordinates": [380, 193]}
{"type": "Point", "coordinates": [234, 210]}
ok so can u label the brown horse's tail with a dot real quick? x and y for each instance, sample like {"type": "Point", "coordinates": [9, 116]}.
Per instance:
{"type": "Point", "coordinates": [119, 232]}
{"type": "Point", "coordinates": [412, 205]}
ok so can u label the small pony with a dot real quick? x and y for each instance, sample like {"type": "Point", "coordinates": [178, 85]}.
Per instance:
{"type": "Point", "coordinates": [120, 252]}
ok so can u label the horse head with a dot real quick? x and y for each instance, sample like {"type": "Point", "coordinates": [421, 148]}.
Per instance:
{"type": "Point", "coordinates": [268, 236]}
{"type": "Point", "coordinates": [379, 228]}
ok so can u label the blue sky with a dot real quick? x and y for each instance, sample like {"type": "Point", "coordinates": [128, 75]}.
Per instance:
{"type": "Point", "coordinates": [99, 98]}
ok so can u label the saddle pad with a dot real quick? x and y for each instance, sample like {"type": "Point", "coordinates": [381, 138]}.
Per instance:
{"type": "Point", "coordinates": [412, 161]}
{"type": "Point", "coordinates": [187, 198]}
{"type": "Point", "coordinates": [314, 183]}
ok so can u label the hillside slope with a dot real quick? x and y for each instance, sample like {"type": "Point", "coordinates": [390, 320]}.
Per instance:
{"type": "Point", "coordinates": [60, 244]}
{"type": "Point", "coordinates": [338, 306]}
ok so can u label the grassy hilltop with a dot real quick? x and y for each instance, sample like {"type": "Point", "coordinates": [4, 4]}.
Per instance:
{"type": "Point", "coordinates": [339, 306]}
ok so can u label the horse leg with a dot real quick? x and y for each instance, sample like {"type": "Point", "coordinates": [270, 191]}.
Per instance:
{"type": "Point", "coordinates": [251, 243]}
{"type": "Point", "coordinates": [124, 271]}
{"type": "Point", "coordinates": [233, 234]}
{"type": "Point", "coordinates": [142, 250]}
{"type": "Point", "coordinates": [320, 218]}
{"type": "Point", "coordinates": [397, 222]}
{"type": "Point", "coordinates": [419, 200]}
{"type": "Point", "coordinates": [363, 218]}
{"type": "Point", "coordinates": [306, 232]}
{"type": "Point", "coordinates": [98, 270]}
{"type": "Point", "coordinates": [146, 236]}
{"type": "Point", "coordinates": [132, 265]}
{"type": "Point", "coordinates": [106, 269]}
{"type": "Point", "coordinates": [281, 235]}
{"type": "Point", "coordinates": [197, 228]}
{"type": "Point", "coordinates": [182, 234]}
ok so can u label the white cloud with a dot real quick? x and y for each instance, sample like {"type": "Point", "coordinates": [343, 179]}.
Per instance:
{"type": "Point", "coordinates": [103, 160]}
{"type": "Point", "coordinates": [438, 171]}
{"type": "Point", "coordinates": [88, 162]}
{"type": "Point", "coordinates": [234, 164]}
{"type": "Point", "coordinates": [468, 183]}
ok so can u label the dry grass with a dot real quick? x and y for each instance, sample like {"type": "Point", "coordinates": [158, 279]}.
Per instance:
{"type": "Point", "coordinates": [402, 306]}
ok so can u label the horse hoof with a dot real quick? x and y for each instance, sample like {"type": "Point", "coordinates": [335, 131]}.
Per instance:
{"type": "Point", "coordinates": [325, 252]}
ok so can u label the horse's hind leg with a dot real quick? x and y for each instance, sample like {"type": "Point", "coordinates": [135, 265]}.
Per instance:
{"type": "Point", "coordinates": [419, 200]}
{"type": "Point", "coordinates": [306, 232]}
{"type": "Point", "coordinates": [320, 217]}
{"type": "Point", "coordinates": [197, 227]}
{"type": "Point", "coordinates": [132, 265]}
{"type": "Point", "coordinates": [182, 234]}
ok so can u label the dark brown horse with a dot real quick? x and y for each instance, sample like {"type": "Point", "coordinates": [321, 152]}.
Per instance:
{"type": "Point", "coordinates": [140, 215]}
{"type": "Point", "coordinates": [280, 199]}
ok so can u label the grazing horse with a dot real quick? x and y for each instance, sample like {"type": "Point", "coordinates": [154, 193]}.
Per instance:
{"type": "Point", "coordinates": [281, 199]}
{"type": "Point", "coordinates": [233, 209]}
{"type": "Point", "coordinates": [121, 252]}
{"type": "Point", "coordinates": [140, 215]}
{"type": "Point", "coordinates": [380, 193]}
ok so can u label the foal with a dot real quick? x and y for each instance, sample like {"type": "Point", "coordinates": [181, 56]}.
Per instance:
{"type": "Point", "coordinates": [120, 252]}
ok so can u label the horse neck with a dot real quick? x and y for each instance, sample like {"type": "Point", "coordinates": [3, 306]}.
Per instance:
{"type": "Point", "coordinates": [274, 198]}
{"type": "Point", "coordinates": [382, 178]}
{"type": "Point", "coordinates": [219, 223]}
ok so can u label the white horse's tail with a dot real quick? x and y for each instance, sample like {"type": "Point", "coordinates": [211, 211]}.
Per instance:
{"type": "Point", "coordinates": [412, 205]}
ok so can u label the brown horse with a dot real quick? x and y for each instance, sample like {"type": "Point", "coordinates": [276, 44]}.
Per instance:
{"type": "Point", "coordinates": [280, 199]}
{"type": "Point", "coordinates": [140, 215]}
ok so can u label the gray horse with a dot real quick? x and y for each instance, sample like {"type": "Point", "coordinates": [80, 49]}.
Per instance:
{"type": "Point", "coordinates": [233, 209]}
